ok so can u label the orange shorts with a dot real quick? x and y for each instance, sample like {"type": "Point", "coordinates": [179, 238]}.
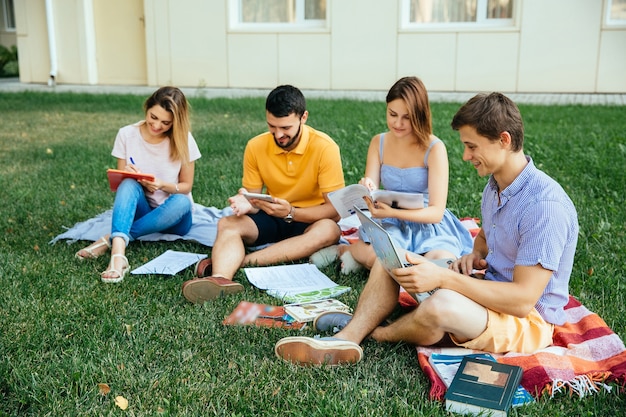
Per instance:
{"type": "Point", "coordinates": [506, 333]}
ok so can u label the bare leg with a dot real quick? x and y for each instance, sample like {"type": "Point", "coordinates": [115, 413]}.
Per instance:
{"type": "Point", "coordinates": [117, 263]}
{"type": "Point", "coordinates": [229, 249]}
{"type": "Point", "coordinates": [234, 233]}
{"type": "Point", "coordinates": [362, 252]}
{"type": "Point", "coordinates": [318, 235]}
{"type": "Point", "coordinates": [376, 303]}
{"type": "Point", "coordinates": [439, 254]}
{"type": "Point", "coordinates": [444, 312]}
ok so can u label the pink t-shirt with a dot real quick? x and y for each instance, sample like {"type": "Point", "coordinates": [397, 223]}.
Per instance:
{"type": "Point", "coordinates": [151, 158]}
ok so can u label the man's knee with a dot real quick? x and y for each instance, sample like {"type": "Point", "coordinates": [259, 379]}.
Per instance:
{"type": "Point", "coordinates": [325, 231]}
{"type": "Point", "coordinates": [240, 225]}
{"type": "Point", "coordinates": [441, 308]}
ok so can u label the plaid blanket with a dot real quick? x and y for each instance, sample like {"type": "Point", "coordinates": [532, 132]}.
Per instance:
{"type": "Point", "coordinates": [585, 355]}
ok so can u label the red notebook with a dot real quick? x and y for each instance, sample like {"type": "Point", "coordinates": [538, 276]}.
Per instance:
{"type": "Point", "coordinates": [261, 315]}
{"type": "Point", "coordinates": [116, 176]}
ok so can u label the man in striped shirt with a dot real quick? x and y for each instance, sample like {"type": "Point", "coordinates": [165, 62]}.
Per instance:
{"type": "Point", "coordinates": [524, 251]}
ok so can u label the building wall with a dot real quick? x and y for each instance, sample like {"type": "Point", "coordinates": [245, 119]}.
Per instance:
{"type": "Point", "coordinates": [559, 54]}
{"type": "Point", "coordinates": [119, 41]}
{"type": "Point", "coordinates": [32, 41]}
{"type": "Point", "coordinates": [555, 46]}
{"type": "Point", "coordinates": [8, 38]}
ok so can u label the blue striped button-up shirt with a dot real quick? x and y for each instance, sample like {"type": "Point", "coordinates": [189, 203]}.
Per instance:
{"type": "Point", "coordinates": [533, 221]}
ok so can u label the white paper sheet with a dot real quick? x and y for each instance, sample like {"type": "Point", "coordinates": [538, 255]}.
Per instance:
{"type": "Point", "coordinates": [169, 263]}
{"type": "Point", "coordinates": [289, 279]}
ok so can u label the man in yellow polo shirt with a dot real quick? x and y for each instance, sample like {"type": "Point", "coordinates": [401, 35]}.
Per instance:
{"type": "Point", "coordinates": [297, 166]}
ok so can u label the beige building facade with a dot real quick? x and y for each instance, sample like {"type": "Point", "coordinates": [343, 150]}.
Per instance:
{"type": "Point", "coordinates": [556, 46]}
{"type": "Point", "coordinates": [8, 36]}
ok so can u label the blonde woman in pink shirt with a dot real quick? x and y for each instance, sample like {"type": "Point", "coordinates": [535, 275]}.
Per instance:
{"type": "Point", "coordinates": [161, 145]}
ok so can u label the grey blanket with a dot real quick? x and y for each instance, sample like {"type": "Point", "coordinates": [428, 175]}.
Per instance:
{"type": "Point", "coordinates": [203, 228]}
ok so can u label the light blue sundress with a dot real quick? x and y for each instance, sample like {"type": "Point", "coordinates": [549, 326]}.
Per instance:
{"type": "Point", "coordinates": [449, 234]}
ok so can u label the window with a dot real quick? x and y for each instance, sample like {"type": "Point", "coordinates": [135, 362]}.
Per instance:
{"type": "Point", "coordinates": [9, 15]}
{"type": "Point", "coordinates": [278, 13]}
{"type": "Point", "coordinates": [616, 12]}
{"type": "Point", "coordinates": [420, 13]}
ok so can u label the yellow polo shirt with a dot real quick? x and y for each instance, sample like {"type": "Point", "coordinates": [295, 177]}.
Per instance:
{"type": "Point", "coordinates": [299, 176]}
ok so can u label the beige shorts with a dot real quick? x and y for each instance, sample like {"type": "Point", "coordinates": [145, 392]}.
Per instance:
{"type": "Point", "coordinates": [506, 333]}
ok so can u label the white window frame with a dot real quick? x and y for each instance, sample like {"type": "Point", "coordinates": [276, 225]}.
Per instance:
{"type": "Point", "coordinates": [612, 23]}
{"type": "Point", "coordinates": [481, 23]}
{"type": "Point", "coordinates": [5, 10]}
{"type": "Point", "coordinates": [300, 24]}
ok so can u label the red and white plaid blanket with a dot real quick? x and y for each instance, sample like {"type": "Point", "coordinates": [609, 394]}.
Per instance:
{"type": "Point", "coordinates": [585, 355]}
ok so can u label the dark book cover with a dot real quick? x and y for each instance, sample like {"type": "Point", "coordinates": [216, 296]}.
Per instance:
{"type": "Point", "coordinates": [445, 366]}
{"type": "Point", "coordinates": [483, 386]}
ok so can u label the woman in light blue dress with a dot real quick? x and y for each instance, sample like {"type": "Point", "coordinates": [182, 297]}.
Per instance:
{"type": "Point", "coordinates": [409, 158]}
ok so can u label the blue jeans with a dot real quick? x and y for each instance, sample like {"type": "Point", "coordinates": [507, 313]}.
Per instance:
{"type": "Point", "coordinates": [133, 217]}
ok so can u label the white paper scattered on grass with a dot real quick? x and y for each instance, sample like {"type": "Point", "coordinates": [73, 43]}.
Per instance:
{"type": "Point", "coordinates": [169, 263]}
{"type": "Point", "coordinates": [288, 281]}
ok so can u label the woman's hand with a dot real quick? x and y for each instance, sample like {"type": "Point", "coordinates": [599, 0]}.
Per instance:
{"type": "Point", "coordinates": [151, 186]}
{"type": "Point", "coordinates": [132, 168]}
{"type": "Point", "coordinates": [378, 210]}
{"type": "Point", "coordinates": [368, 183]}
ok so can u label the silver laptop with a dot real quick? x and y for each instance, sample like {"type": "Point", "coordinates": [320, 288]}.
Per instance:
{"type": "Point", "coordinates": [390, 256]}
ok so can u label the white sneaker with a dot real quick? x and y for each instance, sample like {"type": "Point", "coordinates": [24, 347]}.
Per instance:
{"type": "Point", "coordinates": [325, 256]}
{"type": "Point", "coordinates": [330, 351]}
{"type": "Point", "coordinates": [349, 264]}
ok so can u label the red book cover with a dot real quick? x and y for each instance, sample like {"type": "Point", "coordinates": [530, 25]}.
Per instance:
{"type": "Point", "coordinates": [262, 315]}
{"type": "Point", "coordinates": [116, 176]}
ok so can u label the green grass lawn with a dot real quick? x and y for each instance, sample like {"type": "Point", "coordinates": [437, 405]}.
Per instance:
{"type": "Point", "coordinates": [63, 332]}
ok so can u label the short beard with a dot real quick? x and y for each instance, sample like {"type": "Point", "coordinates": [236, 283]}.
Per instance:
{"type": "Point", "coordinates": [292, 141]}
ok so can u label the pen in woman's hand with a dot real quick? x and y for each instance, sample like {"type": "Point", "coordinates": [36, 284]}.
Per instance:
{"type": "Point", "coordinates": [132, 167]}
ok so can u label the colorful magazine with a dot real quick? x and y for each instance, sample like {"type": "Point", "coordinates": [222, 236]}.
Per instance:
{"type": "Point", "coordinates": [308, 311]}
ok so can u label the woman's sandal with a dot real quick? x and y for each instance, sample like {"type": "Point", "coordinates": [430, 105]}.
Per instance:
{"type": "Point", "coordinates": [94, 250]}
{"type": "Point", "coordinates": [111, 269]}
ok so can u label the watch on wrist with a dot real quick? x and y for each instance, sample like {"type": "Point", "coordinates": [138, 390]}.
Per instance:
{"type": "Point", "coordinates": [289, 218]}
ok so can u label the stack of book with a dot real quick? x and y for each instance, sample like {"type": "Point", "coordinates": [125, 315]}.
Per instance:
{"type": "Point", "coordinates": [478, 383]}
{"type": "Point", "coordinates": [290, 316]}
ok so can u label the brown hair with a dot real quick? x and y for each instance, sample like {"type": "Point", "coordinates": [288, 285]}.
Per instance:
{"type": "Point", "coordinates": [492, 114]}
{"type": "Point", "coordinates": [414, 94]}
{"type": "Point", "coordinates": [173, 100]}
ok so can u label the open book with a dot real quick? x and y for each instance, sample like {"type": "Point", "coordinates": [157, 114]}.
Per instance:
{"type": "Point", "coordinates": [116, 176]}
{"type": "Point", "coordinates": [346, 198]}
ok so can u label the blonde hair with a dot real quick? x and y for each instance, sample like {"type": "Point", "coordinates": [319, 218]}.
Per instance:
{"type": "Point", "coordinates": [173, 100]}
